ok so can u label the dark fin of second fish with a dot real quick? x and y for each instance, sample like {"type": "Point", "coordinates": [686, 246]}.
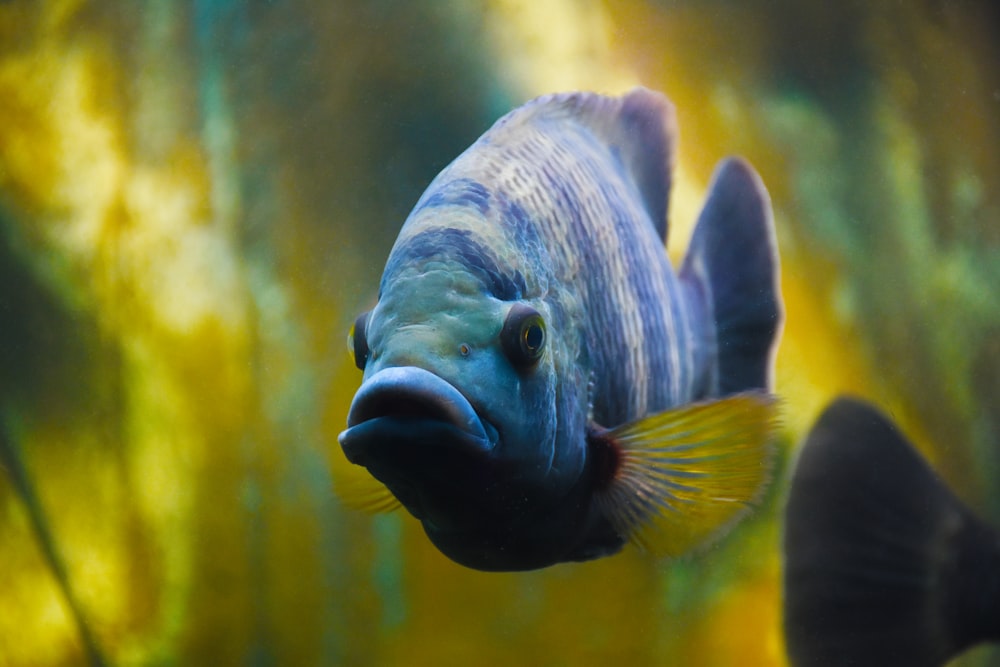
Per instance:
{"type": "Point", "coordinates": [639, 128]}
{"type": "Point", "coordinates": [731, 269]}
{"type": "Point", "coordinates": [672, 481]}
{"type": "Point", "coordinates": [883, 564]}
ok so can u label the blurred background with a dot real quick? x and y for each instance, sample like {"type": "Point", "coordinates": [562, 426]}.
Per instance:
{"type": "Point", "coordinates": [197, 198]}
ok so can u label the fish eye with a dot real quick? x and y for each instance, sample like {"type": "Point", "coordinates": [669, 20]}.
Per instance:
{"type": "Point", "coordinates": [357, 340]}
{"type": "Point", "coordinates": [523, 336]}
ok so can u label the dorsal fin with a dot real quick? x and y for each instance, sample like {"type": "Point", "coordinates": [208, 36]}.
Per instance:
{"type": "Point", "coordinates": [732, 264]}
{"type": "Point", "coordinates": [640, 129]}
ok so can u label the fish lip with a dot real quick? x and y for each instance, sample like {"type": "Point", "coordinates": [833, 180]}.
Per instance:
{"type": "Point", "coordinates": [396, 397]}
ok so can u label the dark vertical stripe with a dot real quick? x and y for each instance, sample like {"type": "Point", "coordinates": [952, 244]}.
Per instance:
{"type": "Point", "coordinates": [459, 245]}
{"type": "Point", "coordinates": [460, 192]}
{"type": "Point", "coordinates": [522, 233]}
{"type": "Point", "coordinates": [607, 339]}
{"type": "Point", "coordinates": [658, 312]}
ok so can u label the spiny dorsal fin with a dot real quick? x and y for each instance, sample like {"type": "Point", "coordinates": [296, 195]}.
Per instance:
{"type": "Point", "coordinates": [687, 474]}
{"type": "Point", "coordinates": [639, 127]}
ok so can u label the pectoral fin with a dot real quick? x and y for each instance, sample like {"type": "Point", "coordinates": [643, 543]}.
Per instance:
{"type": "Point", "coordinates": [366, 494]}
{"type": "Point", "coordinates": [677, 478]}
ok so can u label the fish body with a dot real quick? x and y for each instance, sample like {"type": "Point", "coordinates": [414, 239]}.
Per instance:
{"type": "Point", "coordinates": [528, 306]}
{"type": "Point", "coordinates": [883, 564]}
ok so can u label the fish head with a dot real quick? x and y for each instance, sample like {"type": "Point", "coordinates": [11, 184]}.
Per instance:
{"type": "Point", "coordinates": [457, 412]}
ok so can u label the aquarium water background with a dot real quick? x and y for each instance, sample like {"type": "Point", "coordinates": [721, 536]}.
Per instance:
{"type": "Point", "coordinates": [197, 198]}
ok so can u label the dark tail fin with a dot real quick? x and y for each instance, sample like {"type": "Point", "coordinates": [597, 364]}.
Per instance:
{"type": "Point", "coordinates": [732, 269]}
{"type": "Point", "coordinates": [883, 564]}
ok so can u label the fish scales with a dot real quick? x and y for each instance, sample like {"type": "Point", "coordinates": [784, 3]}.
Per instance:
{"type": "Point", "coordinates": [605, 256]}
{"type": "Point", "coordinates": [534, 365]}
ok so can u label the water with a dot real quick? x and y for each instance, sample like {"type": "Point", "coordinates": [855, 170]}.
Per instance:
{"type": "Point", "coordinates": [197, 198]}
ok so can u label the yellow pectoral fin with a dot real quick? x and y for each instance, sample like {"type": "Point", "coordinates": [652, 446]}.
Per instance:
{"type": "Point", "coordinates": [685, 475]}
{"type": "Point", "coordinates": [365, 493]}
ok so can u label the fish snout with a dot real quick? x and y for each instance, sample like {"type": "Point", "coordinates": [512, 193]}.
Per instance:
{"type": "Point", "coordinates": [409, 404]}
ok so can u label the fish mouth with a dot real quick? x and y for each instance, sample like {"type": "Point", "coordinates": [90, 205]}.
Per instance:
{"type": "Point", "coordinates": [403, 418]}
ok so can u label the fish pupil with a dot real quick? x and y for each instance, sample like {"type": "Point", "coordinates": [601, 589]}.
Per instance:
{"type": "Point", "coordinates": [523, 336]}
{"type": "Point", "coordinates": [534, 337]}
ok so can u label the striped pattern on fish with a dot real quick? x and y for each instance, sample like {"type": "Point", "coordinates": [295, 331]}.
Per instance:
{"type": "Point", "coordinates": [558, 211]}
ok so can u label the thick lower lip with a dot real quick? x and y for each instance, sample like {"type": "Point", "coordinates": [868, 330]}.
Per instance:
{"type": "Point", "coordinates": [406, 406]}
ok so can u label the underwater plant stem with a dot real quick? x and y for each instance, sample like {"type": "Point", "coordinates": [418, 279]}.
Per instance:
{"type": "Point", "coordinates": [11, 462]}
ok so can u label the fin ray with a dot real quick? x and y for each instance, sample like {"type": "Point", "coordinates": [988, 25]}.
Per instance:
{"type": "Point", "coordinates": [366, 494]}
{"type": "Point", "coordinates": [688, 473]}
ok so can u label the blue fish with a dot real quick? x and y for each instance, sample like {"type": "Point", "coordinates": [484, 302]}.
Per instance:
{"type": "Point", "coordinates": [540, 385]}
{"type": "Point", "coordinates": [884, 565]}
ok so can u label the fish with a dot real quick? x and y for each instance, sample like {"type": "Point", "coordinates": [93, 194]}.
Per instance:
{"type": "Point", "coordinates": [539, 384]}
{"type": "Point", "coordinates": [883, 564]}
